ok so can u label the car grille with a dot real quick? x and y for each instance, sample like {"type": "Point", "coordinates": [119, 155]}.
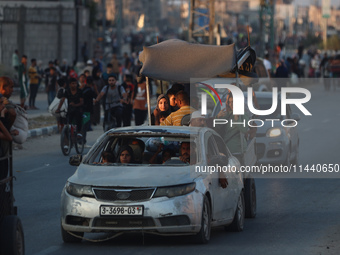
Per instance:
{"type": "Point", "coordinates": [260, 150]}
{"type": "Point", "coordinates": [123, 195]}
{"type": "Point", "coordinates": [127, 222]}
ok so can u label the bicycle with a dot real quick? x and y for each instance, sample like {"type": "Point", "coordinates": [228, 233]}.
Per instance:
{"type": "Point", "coordinates": [69, 138]}
{"type": "Point", "coordinates": [110, 122]}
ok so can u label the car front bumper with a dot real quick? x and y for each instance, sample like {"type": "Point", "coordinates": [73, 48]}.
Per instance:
{"type": "Point", "coordinates": [272, 150]}
{"type": "Point", "coordinates": [177, 215]}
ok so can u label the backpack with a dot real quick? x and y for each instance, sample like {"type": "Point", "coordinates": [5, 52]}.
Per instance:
{"type": "Point", "coordinates": [107, 90]}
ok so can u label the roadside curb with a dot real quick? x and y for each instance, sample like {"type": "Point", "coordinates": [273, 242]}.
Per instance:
{"type": "Point", "coordinates": [43, 131]}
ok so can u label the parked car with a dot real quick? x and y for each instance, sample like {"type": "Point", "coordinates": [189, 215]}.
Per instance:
{"type": "Point", "coordinates": [276, 144]}
{"type": "Point", "coordinates": [165, 199]}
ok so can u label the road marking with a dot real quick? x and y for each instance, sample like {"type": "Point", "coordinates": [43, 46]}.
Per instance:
{"type": "Point", "coordinates": [326, 120]}
{"type": "Point", "coordinates": [49, 250]}
{"type": "Point", "coordinates": [41, 168]}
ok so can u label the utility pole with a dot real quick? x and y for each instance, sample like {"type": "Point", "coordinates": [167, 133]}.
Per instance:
{"type": "Point", "coordinates": [263, 4]}
{"type": "Point", "coordinates": [119, 27]}
{"type": "Point", "coordinates": [103, 25]}
{"type": "Point", "coordinates": [267, 8]}
{"type": "Point", "coordinates": [272, 20]}
{"type": "Point", "coordinates": [326, 14]}
{"type": "Point", "coordinates": [77, 29]}
{"type": "Point", "coordinates": [200, 11]}
{"type": "Point", "coordinates": [211, 21]}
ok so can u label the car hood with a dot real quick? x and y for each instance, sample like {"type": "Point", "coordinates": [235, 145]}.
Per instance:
{"type": "Point", "coordinates": [133, 176]}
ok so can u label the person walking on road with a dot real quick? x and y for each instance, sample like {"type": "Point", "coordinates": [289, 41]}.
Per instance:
{"type": "Point", "coordinates": [139, 103]}
{"type": "Point", "coordinates": [15, 60]}
{"type": "Point", "coordinates": [23, 80]}
{"type": "Point", "coordinates": [51, 85]}
{"type": "Point", "coordinates": [89, 94]}
{"type": "Point", "coordinates": [99, 83]}
{"type": "Point", "coordinates": [34, 83]}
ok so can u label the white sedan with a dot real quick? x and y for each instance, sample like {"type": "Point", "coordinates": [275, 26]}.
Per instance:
{"type": "Point", "coordinates": [178, 194]}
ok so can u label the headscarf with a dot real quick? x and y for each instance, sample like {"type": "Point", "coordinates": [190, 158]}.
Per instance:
{"type": "Point", "coordinates": [126, 148]}
{"type": "Point", "coordinates": [166, 98]}
{"type": "Point", "coordinates": [153, 120]}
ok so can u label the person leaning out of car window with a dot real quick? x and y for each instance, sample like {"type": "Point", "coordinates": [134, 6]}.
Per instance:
{"type": "Point", "coordinates": [231, 132]}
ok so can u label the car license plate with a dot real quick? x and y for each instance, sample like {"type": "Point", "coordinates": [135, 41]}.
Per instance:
{"type": "Point", "coordinates": [121, 210]}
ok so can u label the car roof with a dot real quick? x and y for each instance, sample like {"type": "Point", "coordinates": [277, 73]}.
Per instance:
{"type": "Point", "coordinates": [162, 130]}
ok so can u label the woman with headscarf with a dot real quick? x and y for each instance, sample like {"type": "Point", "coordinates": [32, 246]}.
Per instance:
{"type": "Point", "coordinates": [125, 155]}
{"type": "Point", "coordinates": [163, 105]}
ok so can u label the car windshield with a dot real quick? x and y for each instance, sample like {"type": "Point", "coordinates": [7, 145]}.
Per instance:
{"type": "Point", "coordinates": [151, 149]}
{"type": "Point", "coordinates": [266, 104]}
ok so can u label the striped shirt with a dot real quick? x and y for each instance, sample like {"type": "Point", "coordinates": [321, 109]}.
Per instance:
{"type": "Point", "coordinates": [174, 119]}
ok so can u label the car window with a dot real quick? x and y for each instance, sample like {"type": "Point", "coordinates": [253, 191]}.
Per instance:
{"type": "Point", "coordinates": [265, 104]}
{"type": "Point", "coordinates": [221, 145]}
{"type": "Point", "coordinates": [212, 147]}
{"type": "Point", "coordinates": [141, 148]}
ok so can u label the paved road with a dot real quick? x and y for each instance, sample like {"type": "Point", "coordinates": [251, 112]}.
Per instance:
{"type": "Point", "coordinates": [295, 216]}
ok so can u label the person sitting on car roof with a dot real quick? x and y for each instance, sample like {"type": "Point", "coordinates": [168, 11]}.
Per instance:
{"type": "Point", "coordinates": [197, 120]}
{"type": "Point", "coordinates": [183, 102]}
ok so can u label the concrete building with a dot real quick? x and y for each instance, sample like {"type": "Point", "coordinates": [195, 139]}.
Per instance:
{"type": "Point", "coordinates": [44, 30]}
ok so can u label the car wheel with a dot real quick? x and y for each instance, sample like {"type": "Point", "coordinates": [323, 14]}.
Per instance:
{"type": "Point", "coordinates": [69, 238]}
{"type": "Point", "coordinates": [287, 162]}
{"type": "Point", "coordinates": [203, 236]}
{"type": "Point", "coordinates": [238, 222]}
{"type": "Point", "coordinates": [79, 145]}
{"type": "Point", "coordinates": [250, 197]}
{"type": "Point", "coordinates": [12, 236]}
{"type": "Point", "coordinates": [296, 159]}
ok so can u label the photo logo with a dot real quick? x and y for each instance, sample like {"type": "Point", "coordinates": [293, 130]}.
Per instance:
{"type": "Point", "coordinates": [204, 97]}
{"type": "Point", "coordinates": [239, 102]}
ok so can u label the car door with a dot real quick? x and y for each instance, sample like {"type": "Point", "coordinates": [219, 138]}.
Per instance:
{"type": "Point", "coordinates": [222, 207]}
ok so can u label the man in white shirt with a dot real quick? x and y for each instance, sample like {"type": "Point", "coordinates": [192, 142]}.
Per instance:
{"type": "Point", "coordinates": [267, 64]}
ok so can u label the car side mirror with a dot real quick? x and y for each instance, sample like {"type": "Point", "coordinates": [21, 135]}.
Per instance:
{"type": "Point", "coordinates": [75, 160]}
{"type": "Point", "coordinates": [295, 116]}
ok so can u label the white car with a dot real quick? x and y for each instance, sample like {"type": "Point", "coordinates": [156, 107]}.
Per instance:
{"type": "Point", "coordinates": [173, 198]}
{"type": "Point", "coordinates": [276, 144]}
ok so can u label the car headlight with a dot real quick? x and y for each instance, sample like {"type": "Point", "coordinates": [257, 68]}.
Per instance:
{"type": "Point", "coordinates": [174, 191]}
{"type": "Point", "coordinates": [273, 132]}
{"type": "Point", "coordinates": [79, 190]}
